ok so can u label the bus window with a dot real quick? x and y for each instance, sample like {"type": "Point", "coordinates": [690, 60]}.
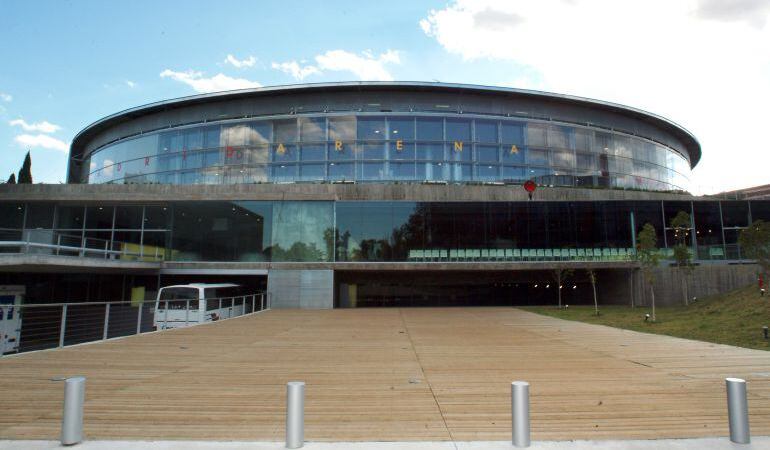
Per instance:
{"type": "Point", "coordinates": [177, 297]}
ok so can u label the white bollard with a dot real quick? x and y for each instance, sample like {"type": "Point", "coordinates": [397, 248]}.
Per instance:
{"type": "Point", "coordinates": [72, 416]}
{"type": "Point", "coordinates": [738, 411]}
{"type": "Point", "coordinates": [520, 413]}
{"type": "Point", "coordinates": [295, 414]}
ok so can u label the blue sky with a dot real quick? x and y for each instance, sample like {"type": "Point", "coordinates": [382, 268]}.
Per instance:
{"type": "Point", "coordinates": [65, 64]}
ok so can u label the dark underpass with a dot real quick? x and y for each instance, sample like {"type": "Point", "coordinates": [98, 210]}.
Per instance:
{"type": "Point", "coordinates": [457, 288]}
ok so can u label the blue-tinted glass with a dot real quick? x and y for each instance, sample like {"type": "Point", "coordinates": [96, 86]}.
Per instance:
{"type": "Point", "coordinates": [487, 153]}
{"type": "Point", "coordinates": [512, 133]}
{"type": "Point", "coordinates": [284, 172]}
{"type": "Point", "coordinates": [486, 131]}
{"type": "Point", "coordinates": [312, 171]}
{"type": "Point", "coordinates": [259, 154]}
{"type": "Point", "coordinates": [430, 129]}
{"type": "Point", "coordinates": [538, 157]}
{"type": "Point", "coordinates": [371, 128]}
{"type": "Point", "coordinates": [339, 151]}
{"type": "Point", "coordinates": [315, 152]}
{"type": "Point", "coordinates": [563, 158]}
{"type": "Point", "coordinates": [341, 171]}
{"type": "Point", "coordinates": [536, 134]}
{"type": "Point", "coordinates": [402, 170]}
{"type": "Point", "coordinates": [211, 137]}
{"type": "Point", "coordinates": [458, 130]}
{"type": "Point", "coordinates": [372, 171]}
{"type": "Point", "coordinates": [260, 132]}
{"type": "Point", "coordinates": [193, 139]}
{"type": "Point", "coordinates": [459, 151]}
{"type": "Point", "coordinates": [585, 161]}
{"type": "Point", "coordinates": [430, 151]}
{"type": "Point", "coordinates": [513, 173]}
{"type": "Point", "coordinates": [401, 128]}
{"type": "Point", "coordinates": [401, 151]}
{"type": "Point", "coordinates": [558, 137]}
{"type": "Point", "coordinates": [342, 128]}
{"type": "Point", "coordinates": [312, 129]}
{"type": "Point", "coordinates": [513, 154]}
{"type": "Point", "coordinates": [373, 151]}
{"type": "Point", "coordinates": [462, 172]}
{"type": "Point", "coordinates": [285, 131]}
{"type": "Point", "coordinates": [488, 171]}
{"type": "Point", "coordinates": [284, 152]}
{"type": "Point", "coordinates": [236, 135]}
{"type": "Point", "coordinates": [432, 171]}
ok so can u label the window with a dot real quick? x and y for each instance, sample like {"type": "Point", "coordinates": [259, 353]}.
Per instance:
{"type": "Point", "coordinates": [487, 153]}
{"type": "Point", "coordinates": [486, 131]}
{"type": "Point", "coordinates": [402, 129]}
{"type": "Point", "coordinates": [312, 129]}
{"type": "Point", "coordinates": [316, 152]}
{"type": "Point", "coordinates": [371, 128]}
{"type": "Point", "coordinates": [458, 130]}
{"type": "Point", "coordinates": [430, 129]}
{"type": "Point", "coordinates": [342, 128]}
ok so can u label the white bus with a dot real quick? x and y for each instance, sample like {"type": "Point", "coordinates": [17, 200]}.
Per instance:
{"type": "Point", "coordinates": [192, 304]}
{"type": "Point", "coordinates": [11, 298]}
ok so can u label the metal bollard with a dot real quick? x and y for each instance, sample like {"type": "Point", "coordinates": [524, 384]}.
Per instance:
{"type": "Point", "coordinates": [295, 414]}
{"type": "Point", "coordinates": [72, 416]}
{"type": "Point", "coordinates": [520, 413]}
{"type": "Point", "coordinates": [738, 411]}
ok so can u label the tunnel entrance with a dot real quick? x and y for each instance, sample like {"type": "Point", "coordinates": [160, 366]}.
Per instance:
{"type": "Point", "coordinates": [455, 288]}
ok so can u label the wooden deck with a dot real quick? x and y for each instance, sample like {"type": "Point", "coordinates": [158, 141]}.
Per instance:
{"type": "Point", "coordinates": [387, 374]}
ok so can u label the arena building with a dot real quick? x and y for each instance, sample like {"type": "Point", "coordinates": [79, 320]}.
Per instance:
{"type": "Point", "coordinates": [371, 194]}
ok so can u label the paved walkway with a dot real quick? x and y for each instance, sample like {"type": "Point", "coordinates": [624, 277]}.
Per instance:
{"type": "Point", "coordinates": [668, 444]}
{"type": "Point", "coordinates": [388, 375]}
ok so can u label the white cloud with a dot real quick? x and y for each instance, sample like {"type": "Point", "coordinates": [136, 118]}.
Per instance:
{"type": "Point", "coordinates": [42, 127]}
{"type": "Point", "coordinates": [42, 141]}
{"type": "Point", "coordinates": [240, 63]}
{"type": "Point", "coordinates": [712, 76]}
{"type": "Point", "coordinates": [130, 84]}
{"type": "Point", "coordinates": [219, 82]}
{"type": "Point", "coordinates": [6, 97]}
{"type": "Point", "coordinates": [365, 66]}
{"type": "Point", "coordinates": [293, 68]}
{"type": "Point", "coordinates": [753, 12]}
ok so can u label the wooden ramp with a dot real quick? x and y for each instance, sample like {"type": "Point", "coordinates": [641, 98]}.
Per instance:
{"type": "Point", "coordinates": [387, 374]}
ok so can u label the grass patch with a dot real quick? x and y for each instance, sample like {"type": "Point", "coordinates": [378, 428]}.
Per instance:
{"type": "Point", "coordinates": [735, 318]}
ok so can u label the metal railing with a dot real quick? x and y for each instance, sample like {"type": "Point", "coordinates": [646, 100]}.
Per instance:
{"type": "Point", "coordinates": [51, 242]}
{"type": "Point", "coordinates": [40, 326]}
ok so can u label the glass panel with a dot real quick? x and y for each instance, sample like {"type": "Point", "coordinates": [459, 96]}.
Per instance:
{"type": "Point", "coordinates": [458, 130]}
{"type": "Point", "coordinates": [284, 152]}
{"type": "Point", "coordinates": [538, 157]}
{"type": "Point", "coordinates": [513, 173]}
{"type": "Point", "coordinates": [312, 129]}
{"type": "Point", "coordinates": [512, 133]}
{"type": "Point", "coordinates": [371, 128]}
{"type": "Point", "coordinates": [372, 171]}
{"type": "Point", "coordinates": [99, 217]}
{"type": "Point", "coordinates": [373, 151]}
{"type": "Point", "coordinates": [260, 133]}
{"type": "Point", "coordinates": [487, 153]}
{"type": "Point", "coordinates": [313, 152]}
{"type": "Point", "coordinates": [284, 172]}
{"type": "Point", "coordinates": [535, 135]}
{"type": "Point", "coordinates": [401, 128]}
{"type": "Point", "coordinates": [285, 131]}
{"type": "Point", "coordinates": [486, 131]}
{"type": "Point", "coordinates": [128, 217]}
{"type": "Point", "coordinates": [430, 129]}
{"type": "Point", "coordinates": [39, 215]}
{"type": "Point", "coordinates": [488, 172]}
{"type": "Point", "coordinates": [312, 171]}
{"type": "Point", "coordinates": [69, 217]}
{"type": "Point", "coordinates": [557, 137]}
{"type": "Point", "coordinates": [302, 231]}
{"type": "Point", "coordinates": [342, 128]}
{"type": "Point", "coordinates": [156, 217]}
{"type": "Point", "coordinates": [432, 171]}
{"type": "Point", "coordinates": [341, 171]}
{"type": "Point", "coordinates": [339, 151]}
{"type": "Point", "coordinates": [401, 151]}
{"type": "Point", "coordinates": [430, 152]}
{"type": "Point", "coordinates": [734, 214]}
{"type": "Point", "coordinates": [402, 170]}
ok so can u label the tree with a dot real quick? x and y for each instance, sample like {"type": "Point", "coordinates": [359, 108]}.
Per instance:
{"type": "Point", "coordinates": [755, 243]}
{"type": "Point", "coordinates": [559, 275]}
{"type": "Point", "coordinates": [592, 277]}
{"type": "Point", "coordinates": [648, 256]}
{"type": "Point", "coordinates": [12, 179]}
{"type": "Point", "coordinates": [25, 174]}
{"type": "Point", "coordinates": [682, 226]}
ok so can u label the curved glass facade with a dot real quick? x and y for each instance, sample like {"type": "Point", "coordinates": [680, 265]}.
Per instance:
{"type": "Point", "coordinates": [392, 148]}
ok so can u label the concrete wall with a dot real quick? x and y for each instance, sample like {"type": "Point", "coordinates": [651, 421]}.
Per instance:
{"type": "Point", "coordinates": [618, 286]}
{"type": "Point", "coordinates": [316, 191]}
{"type": "Point", "coordinates": [305, 289]}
